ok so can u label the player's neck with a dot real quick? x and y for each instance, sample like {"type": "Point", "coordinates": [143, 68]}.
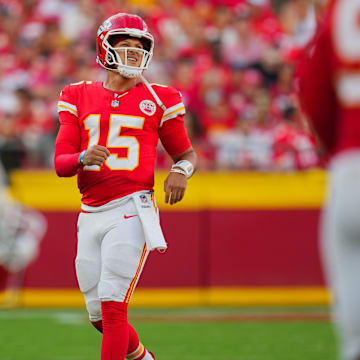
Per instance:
{"type": "Point", "coordinates": [116, 82]}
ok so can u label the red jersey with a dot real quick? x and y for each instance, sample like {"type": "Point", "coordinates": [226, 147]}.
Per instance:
{"type": "Point", "coordinates": [128, 124]}
{"type": "Point", "coordinates": [330, 78]}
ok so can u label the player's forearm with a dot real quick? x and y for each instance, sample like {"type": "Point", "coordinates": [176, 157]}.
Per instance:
{"type": "Point", "coordinates": [189, 155]}
{"type": "Point", "coordinates": [67, 165]}
{"type": "Point", "coordinates": [67, 147]}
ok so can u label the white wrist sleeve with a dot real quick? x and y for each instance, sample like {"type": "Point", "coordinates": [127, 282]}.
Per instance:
{"type": "Point", "coordinates": [186, 166]}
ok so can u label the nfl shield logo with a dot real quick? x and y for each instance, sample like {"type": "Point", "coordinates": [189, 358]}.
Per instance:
{"type": "Point", "coordinates": [115, 103]}
{"type": "Point", "coordinates": [143, 198]}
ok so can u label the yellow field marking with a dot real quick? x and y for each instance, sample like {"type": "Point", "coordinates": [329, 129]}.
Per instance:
{"type": "Point", "coordinates": [179, 297]}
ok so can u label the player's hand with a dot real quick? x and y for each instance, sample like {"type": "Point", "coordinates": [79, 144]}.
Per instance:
{"type": "Point", "coordinates": [174, 187]}
{"type": "Point", "coordinates": [96, 155]}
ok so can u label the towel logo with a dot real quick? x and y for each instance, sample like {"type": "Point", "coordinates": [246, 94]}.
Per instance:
{"type": "Point", "coordinates": [143, 199]}
{"type": "Point", "coordinates": [144, 202]}
{"type": "Point", "coordinates": [148, 107]}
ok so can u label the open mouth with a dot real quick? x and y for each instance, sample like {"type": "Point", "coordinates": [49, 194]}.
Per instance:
{"type": "Point", "coordinates": [132, 60]}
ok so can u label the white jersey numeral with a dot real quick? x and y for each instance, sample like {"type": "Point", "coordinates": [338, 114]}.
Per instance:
{"type": "Point", "coordinates": [346, 30]}
{"type": "Point", "coordinates": [92, 124]}
{"type": "Point", "coordinates": [346, 35]}
{"type": "Point", "coordinates": [115, 140]}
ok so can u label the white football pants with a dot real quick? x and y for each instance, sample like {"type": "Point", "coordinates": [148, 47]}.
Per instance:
{"type": "Point", "coordinates": [341, 249]}
{"type": "Point", "coordinates": [110, 257]}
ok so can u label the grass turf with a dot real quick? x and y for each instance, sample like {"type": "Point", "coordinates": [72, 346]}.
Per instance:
{"type": "Point", "coordinates": [67, 335]}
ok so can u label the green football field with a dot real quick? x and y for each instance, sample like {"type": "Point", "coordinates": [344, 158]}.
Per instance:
{"type": "Point", "coordinates": [175, 334]}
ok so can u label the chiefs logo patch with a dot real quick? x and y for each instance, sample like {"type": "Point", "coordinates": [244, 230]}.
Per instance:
{"type": "Point", "coordinates": [148, 107]}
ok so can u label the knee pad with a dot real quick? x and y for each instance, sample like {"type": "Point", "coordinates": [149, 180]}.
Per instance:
{"type": "Point", "coordinates": [93, 307]}
{"type": "Point", "coordinates": [93, 304]}
{"type": "Point", "coordinates": [124, 261]}
{"type": "Point", "coordinates": [120, 268]}
{"type": "Point", "coordinates": [88, 273]}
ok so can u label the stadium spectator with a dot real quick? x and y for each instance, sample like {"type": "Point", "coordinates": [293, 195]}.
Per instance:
{"type": "Point", "coordinates": [11, 147]}
{"type": "Point", "coordinates": [241, 46]}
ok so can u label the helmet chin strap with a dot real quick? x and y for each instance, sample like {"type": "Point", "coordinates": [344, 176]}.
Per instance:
{"type": "Point", "coordinates": [153, 93]}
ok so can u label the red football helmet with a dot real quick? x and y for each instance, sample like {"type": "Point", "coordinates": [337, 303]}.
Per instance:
{"type": "Point", "coordinates": [126, 25]}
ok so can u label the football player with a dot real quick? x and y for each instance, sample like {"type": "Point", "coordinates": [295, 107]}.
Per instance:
{"type": "Point", "coordinates": [330, 94]}
{"type": "Point", "coordinates": [21, 231]}
{"type": "Point", "coordinates": [107, 137]}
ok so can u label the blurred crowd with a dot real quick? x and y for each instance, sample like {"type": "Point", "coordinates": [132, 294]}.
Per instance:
{"type": "Point", "coordinates": [232, 60]}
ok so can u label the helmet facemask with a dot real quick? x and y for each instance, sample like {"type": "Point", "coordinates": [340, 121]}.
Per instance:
{"type": "Point", "coordinates": [113, 57]}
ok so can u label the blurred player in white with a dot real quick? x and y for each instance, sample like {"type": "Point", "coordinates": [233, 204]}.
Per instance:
{"type": "Point", "coordinates": [108, 136]}
{"type": "Point", "coordinates": [330, 94]}
{"type": "Point", "coordinates": [21, 231]}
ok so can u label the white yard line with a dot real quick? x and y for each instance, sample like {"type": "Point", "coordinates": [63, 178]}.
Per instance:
{"type": "Point", "coordinates": [60, 317]}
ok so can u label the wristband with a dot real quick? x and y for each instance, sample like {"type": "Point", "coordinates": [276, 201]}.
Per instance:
{"type": "Point", "coordinates": [184, 165]}
{"type": "Point", "coordinates": [81, 158]}
{"type": "Point", "coordinates": [180, 171]}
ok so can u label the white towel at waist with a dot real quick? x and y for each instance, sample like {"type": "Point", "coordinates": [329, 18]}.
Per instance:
{"type": "Point", "coordinates": [150, 220]}
{"type": "Point", "coordinates": [148, 216]}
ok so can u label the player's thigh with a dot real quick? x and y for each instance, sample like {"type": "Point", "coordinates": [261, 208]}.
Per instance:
{"type": "Point", "coordinates": [88, 257]}
{"type": "Point", "coordinates": [345, 199]}
{"type": "Point", "coordinates": [341, 223]}
{"type": "Point", "coordinates": [123, 257]}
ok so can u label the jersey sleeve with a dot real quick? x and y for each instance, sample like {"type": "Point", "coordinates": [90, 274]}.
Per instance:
{"type": "Point", "coordinates": [173, 102]}
{"type": "Point", "coordinates": [172, 131]}
{"type": "Point", "coordinates": [174, 137]}
{"type": "Point", "coordinates": [67, 102]}
{"type": "Point", "coordinates": [67, 146]}
{"type": "Point", "coordinates": [316, 90]}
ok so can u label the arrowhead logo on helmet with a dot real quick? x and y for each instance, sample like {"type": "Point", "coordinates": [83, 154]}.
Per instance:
{"type": "Point", "coordinates": [106, 25]}
{"type": "Point", "coordinates": [124, 25]}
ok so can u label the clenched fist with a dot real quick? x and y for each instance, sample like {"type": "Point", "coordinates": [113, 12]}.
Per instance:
{"type": "Point", "coordinates": [96, 155]}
